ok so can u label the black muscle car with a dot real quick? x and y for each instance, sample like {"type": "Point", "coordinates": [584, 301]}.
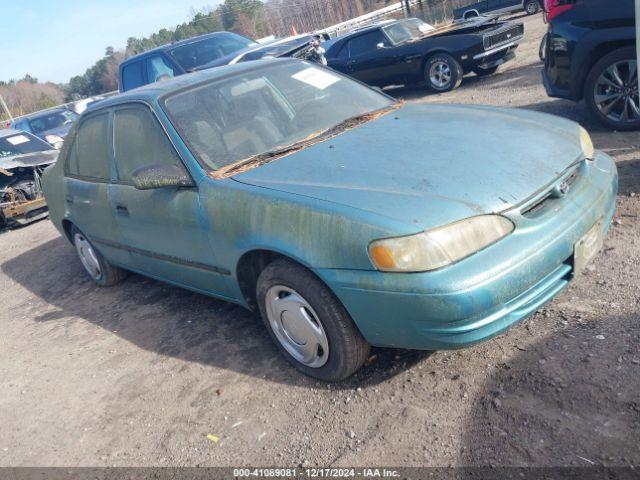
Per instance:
{"type": "Point", "coordinates": [410, 51]}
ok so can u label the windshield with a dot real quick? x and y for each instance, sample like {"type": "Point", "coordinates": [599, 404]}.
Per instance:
{"type": "Point", "coordinates": [20, 144]}
{"type": "Point", "coordinates": [205, 51]}
{"type": "Point", "coordinates": [266, 109]}
{"type": "Point", "coordinates": [404, 30]}
{"type": "Point", "coordinates": [52, 120]}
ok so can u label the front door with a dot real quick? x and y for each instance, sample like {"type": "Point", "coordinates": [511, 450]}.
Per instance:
{"type": "Point", "coordinates": [369, 63]}
{"type": "Point", "coordinates": [164, 228]}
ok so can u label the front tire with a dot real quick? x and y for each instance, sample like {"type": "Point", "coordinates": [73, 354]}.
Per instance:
{"type": "Point", "coordinates": [308, 323]}
{"type": "Point", "coordinates": [485, 72]}
{"type": "Point", "coordinates": [443, 73]}
{"type": "Point", "coordinates": [531, 7]}
{"type": "Point", "coordinates": [611, 90]}
{"type": "Point", "coordinates": [98, 268]}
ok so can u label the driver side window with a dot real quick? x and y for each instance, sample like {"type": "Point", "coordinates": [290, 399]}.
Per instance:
{"type": "Point", "coordinates": [139, 141]}
{"type": "Point", "coordinates": [366, 43]}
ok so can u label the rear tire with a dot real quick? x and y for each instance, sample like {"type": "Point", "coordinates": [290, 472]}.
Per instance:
{"type": "Point", "coordinates": [98, 268]}
{"type": "Point", "coordinates": [531, 7]}
{"type": "Point", "coordinates": [611, 91]}
{"type": "Point", "coordinates": [481, 72]}
{"type": "Point", "coordinates": [443, 73]}
{"type": "Point", "coordinates": [308, 323]}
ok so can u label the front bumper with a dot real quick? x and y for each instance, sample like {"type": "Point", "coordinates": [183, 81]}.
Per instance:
{"type": "Point", "coordinates": [552, 90]}
{"type": "Point", "coordinates": [493, 58]}
{"type": "Point", "coordinates": [481, 296]}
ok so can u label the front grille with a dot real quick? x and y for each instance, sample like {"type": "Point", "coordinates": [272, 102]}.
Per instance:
{"type": "Point", "coordinates": [548, 198]}
{"type": "Point", "coordinates": [503, 36]}
{"type": "Point", "coordinates": [305, 53]}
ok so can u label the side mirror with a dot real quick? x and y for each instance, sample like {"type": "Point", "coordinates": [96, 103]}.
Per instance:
{"type": "Point", "coordinates": [161, 176]}
{"type": "Point", "coordinates": [380, 45]}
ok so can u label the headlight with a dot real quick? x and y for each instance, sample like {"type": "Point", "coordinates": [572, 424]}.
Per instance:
{"type": "Point", "coordinates": [439, 247]}
{"type": "Point", "coordinates": [586, 144]}
{"type": "Point", "coordinates": [54, 140]}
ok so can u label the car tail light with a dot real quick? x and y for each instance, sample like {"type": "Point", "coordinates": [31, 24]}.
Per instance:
{"type": "Point", "coordinates": [553, 8]}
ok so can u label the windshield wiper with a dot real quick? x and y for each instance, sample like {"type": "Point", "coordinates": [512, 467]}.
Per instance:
{"type": "Point", "coordinates": [316, 137]}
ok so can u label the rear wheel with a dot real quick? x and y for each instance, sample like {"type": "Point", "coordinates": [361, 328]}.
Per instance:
{"type": "Point", "coordinates": [308, 323]}
{"type": "Point", "coordinates": [98, 268]}
{"type": "Point", "coordinates": [531, 7]}
{"type": "Point", "coordinates": [611, 90]}
{"type": "Point", "coordinates": [442, 72]}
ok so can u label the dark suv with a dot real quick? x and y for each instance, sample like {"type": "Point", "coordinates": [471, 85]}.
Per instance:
{"type": "Point", "coordinates": [590, 54]}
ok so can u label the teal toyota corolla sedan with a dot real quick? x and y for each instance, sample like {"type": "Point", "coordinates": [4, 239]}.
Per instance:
{"type": "Point", "coordinates": [345, 218]}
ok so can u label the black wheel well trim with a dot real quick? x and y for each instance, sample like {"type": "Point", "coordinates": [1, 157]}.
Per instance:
{"type": "Point", "coordinates": [67, 225]}
{"type": "Point", "coordinates": [602, 49]}
{"type": "Point", "coordinates": [252, 262]}
{"type": "Point", "coordinates": [434, 52]}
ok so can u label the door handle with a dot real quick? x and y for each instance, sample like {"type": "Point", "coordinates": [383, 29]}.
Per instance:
{"type": "Point", "coordinates": [122, 209]}
{"type": "Point", "coordinates": [68, 199]}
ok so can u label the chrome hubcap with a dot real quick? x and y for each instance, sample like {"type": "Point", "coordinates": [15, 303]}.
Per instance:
{"type": "Point", "coordinates": [87, 256]}
{"type": "Point", "coordinates": [440, 74]}
{"type": "Point", "coordinates": [616, 92]}
{"type": "Point", "coordinates": [531, 7]}
{"type": "Point", "coordinates": [296, 326]}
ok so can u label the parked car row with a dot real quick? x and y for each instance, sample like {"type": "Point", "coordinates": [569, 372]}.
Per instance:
{"type": "Point", "coordinates": [298, 192]}
{"type": "Point", "coordinates": [208, 51]}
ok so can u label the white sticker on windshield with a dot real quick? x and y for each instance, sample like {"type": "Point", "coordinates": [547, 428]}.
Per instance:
{"type": "Point", "coordinates": [316, 78]}
{"type": "Point", "coordinates": [18, 139]}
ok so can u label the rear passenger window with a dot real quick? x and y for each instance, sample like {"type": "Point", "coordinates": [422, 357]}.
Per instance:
{"type": "Point", "coordinates": [132, 76]}
{"type": "Point", "coordinates": [90, 153]}
{"type": "Point", "coordinates": [139, 141]}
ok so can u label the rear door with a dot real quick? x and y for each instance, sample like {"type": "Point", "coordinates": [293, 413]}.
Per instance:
{"type": "Point", "coordinates": [88, 169]}
{"type": "Point", "coordinates": [164, 229]}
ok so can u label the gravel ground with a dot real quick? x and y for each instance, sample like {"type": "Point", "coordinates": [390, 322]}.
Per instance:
{"type": "Point", "coordinates": [141, 373]}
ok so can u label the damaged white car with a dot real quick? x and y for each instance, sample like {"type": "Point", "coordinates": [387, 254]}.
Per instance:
{"type": "Point", "coordinates": [23, 158]}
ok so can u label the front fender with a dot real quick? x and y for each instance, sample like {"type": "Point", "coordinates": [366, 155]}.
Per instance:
{"type": "Point", "coordinates": [316, 233]}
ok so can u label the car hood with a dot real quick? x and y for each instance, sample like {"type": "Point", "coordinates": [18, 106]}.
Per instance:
{"type": "Point", "coordinates": [29, 159]}
{"type": "Point", "coordinates": [466, 26]}
{"type": "Point", "coordinates": [277, 48]}
{"type": "Point", "coordinates": [429, 165]}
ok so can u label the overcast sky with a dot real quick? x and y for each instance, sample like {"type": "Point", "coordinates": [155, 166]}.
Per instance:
{"type": "Point", "coordinates": [54, 40]}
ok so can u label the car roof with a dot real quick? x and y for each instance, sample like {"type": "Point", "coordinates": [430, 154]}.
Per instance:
{"type": "Point", "coordinates": [151, 92]}
{"type": "Point", "coordinates": [40, 113]}
{"type": "Point", "coordinates": [179, 43]}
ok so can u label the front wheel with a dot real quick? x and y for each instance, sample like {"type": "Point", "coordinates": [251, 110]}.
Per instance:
{"type": "Point", "coordinates": [443, 72]}
{"type": "Point", "coordinates": [531, 7]}
{"type": "Point", "coordinates": [484, 72]}
{"type": "Point", "coordinates": [308, 323]}
{"type": "Point", "coordinates": [611, 90]}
